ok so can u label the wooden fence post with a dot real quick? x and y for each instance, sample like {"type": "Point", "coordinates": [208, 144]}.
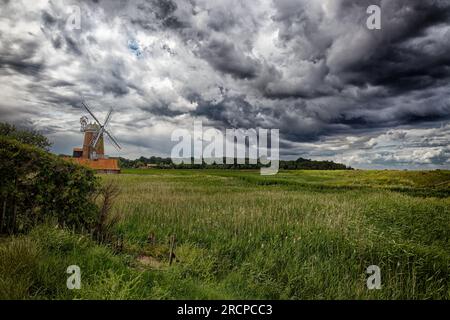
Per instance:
{"type": "Point", "coordinates": [151, 239]}
{"type": "Point", "coordinates": [172, 245]}
{"type": "Point", "coordinates": [3, 215]}
{"type": "Point", "coordinates": [13, 222]}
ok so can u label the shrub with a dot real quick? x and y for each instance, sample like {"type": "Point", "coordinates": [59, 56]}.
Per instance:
{"type": "Point", "coordinates": [37, 186]}
{"type": "Point", "coordinates": [26, 136]}
{"type": "Point", "coordinates": [103, 229]}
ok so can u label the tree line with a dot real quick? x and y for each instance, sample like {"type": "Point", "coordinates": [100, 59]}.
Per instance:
{"type": "Point", "coordinates": [167, 163]}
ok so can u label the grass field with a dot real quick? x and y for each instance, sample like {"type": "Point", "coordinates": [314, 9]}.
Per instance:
{"type": "Point", "coordinates": [296, 235]}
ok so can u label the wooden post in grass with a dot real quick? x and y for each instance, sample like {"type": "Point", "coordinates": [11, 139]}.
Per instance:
{"type": "Point", "coordinates": [14, 218]}
{"type": "Point", "coordinates": [151, 239]}
{"type": "Point", "coordinates": [3, 215]}
{"type": "Point", "coordinates": [172, 245]}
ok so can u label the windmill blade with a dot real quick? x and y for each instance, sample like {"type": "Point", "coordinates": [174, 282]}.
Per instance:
{"type": "Point", "coordinates": [86, 107]}
{"type": "Point", "coordinates": [97, 137]}
{"type": "Point", "coordinates": [113, 140]}
{"type": "Point", "coordinates": [108, 117]}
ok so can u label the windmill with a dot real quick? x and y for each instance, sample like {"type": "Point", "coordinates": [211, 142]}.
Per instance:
{"type": "Point", "coordinates": [94, 132]}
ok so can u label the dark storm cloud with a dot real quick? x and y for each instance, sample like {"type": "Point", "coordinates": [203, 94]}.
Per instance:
{"type": "Point", "coordinates": [164, 10]}
{"type": "Point", "coordinates": [409, 60]}
{"type": "Point", "coordinates": [48, 19]}
{"type": "Point", "coordinates": [391, 58]}
{"type": "Point", "coordinates": [72, 45]}
{"type": "Point", "coordinates": [225, 57]}
{"type": "Point", "coordinates": [160, 109]}
{"type": "Point", "coordinates": [229, 112]}
{"type": "Point", "coordinates": [19, 56]}
{"type": "Point", "coordinates": [21, 66]}
{"type": "Point", "coordinates": [402, 58]}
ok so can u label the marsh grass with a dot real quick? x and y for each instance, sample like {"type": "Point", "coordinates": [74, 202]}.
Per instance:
{"type": "Point", "coordinates": [297, 235]}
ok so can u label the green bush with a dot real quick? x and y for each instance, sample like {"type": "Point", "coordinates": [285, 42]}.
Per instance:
{"type": "Point", "coordinates": [37, 186]}
{"type": "Point", "coordinates": [27, 136]}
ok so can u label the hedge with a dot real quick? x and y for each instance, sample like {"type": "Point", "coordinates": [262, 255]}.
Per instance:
{"type": "Point", "coordinates": [37, 187]}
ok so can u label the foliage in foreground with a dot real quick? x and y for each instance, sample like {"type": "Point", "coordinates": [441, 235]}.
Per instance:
{"type": "Point", "coordinates": [37, 186]}
{"type": "Point", "coordinates": [26, 136]}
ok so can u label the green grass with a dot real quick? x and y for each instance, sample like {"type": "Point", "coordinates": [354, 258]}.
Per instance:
{"type": "Point", "coordinates": [296, 235]}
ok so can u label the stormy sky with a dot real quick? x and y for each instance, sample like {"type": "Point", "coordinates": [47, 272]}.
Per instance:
{"type": "Point", "coordinates": [312, 69]}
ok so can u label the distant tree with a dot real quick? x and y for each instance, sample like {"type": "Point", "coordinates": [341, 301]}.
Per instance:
{"type": "Point", "coordinates": [27, 136]}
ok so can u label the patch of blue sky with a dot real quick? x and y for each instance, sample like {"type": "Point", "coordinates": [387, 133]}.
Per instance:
{"type": "Point", "coordinates": [134, 47]}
